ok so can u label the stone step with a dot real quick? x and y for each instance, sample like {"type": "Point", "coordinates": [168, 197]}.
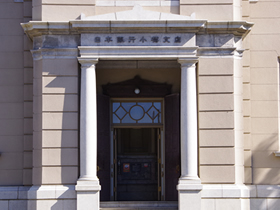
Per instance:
{"type": "Point", "coordinates": [139, 205]}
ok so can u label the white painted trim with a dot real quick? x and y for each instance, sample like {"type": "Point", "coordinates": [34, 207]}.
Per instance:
{"type": "Point", "coordinates": [44, 192]}
{"type": "Point", "coordinates": [208, 191]}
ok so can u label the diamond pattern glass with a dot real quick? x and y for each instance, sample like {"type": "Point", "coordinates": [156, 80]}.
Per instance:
{"type": "Point", "coordinates": [136, 112]}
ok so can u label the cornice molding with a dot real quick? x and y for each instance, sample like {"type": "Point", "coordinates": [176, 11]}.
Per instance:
{"type": "Point", "coordinates": [38, 28]}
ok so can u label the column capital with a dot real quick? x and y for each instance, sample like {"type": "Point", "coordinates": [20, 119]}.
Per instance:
{"type": "Point", "coordinates": [187, 62]}
{"type": "Point", "coordinates": [88, 62]}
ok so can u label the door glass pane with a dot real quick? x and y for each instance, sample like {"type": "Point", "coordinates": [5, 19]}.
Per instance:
{"type": "Point", "coordinates": [137, 112]}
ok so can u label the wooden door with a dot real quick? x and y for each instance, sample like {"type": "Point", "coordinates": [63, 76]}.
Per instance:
{"type": "Point", "coordinates": [103, 145]}
{"type": "Point", "coordinates": [172, 146]}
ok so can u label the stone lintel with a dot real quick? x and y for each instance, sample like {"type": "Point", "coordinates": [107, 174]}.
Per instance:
{"type": "Point", "coordinates": [137, 52]}
{"type": "Point", "coordinates": [216, 51]}
{"type": "Point", "coordinates": [54, 53]}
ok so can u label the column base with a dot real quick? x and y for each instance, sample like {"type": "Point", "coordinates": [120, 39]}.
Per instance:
{"type": "Point", "coordinates": [88, 195]}
{"type": "Point", "coordinates": [189, 194]}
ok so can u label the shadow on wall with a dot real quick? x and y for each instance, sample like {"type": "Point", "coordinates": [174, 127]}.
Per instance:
{"type": "Point", "coordinates": [60, 143]}
{"type": "Point", "coordinates": [265, 171]}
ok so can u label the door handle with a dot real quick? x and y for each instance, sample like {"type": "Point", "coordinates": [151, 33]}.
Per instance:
{"type": "Point", "coordinates": [178, 169]}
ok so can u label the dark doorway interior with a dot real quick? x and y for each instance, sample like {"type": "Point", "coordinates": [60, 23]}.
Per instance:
{"type": "Point", "coordinates": [137, 166]}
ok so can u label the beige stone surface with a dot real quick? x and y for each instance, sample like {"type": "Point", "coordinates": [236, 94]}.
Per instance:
{"type": "Point", "coordinates": [10, 177]}
{"type": "Point", "coordinates": [247, 141]}
{"type": "Point", "coordinates": [209, 12]}
{"type": "Point", "coordinates": [60, 85]}
{"type": "Point", "coordinates": [246, 75]}
{"type": "Point", "coordinates": [215, 84]}
{"type": "Point", "coordinates": [265, 159]}
{"type": "Point", "coordinates": [11, 161]}
{"type": "Point", "coordinates": [227, 204]}
{"type": "Point", "coordinates": [63, 157]}
{"type": "Point", "coordinates": [262, 23]}
{"type": "Point", "coordinates": [65, 12]}
{"type": "Point", "coordinates": [27, 59]}
{"type": "Point", "coordinates": [11, 77]}
{"type": "Point", "coordinates": [27, 159]}
{"type": "Point", "coordinates": [216, 102]}
{"type": "Point", "coordinates": [7, 59]}
{"type": "Point", "coordinates": [27, 177]}
{"type": "Point", "coordinates": [264, 92]}
{"type": "Point", "coordinates": [10, 10]}
{"type": "Point", "coordinates": [28, 92]}
{"type": "Point", "coordinates": [28, 126]}
{"type": "Point", "coordinates": [48, 204]}
{"type": "Point", "coordinates": [216, 120]}
{"type": "Point", "coordinates": [266, 175]}
{"type": "Point", "coordinates": [28, 75]}
{"type": "Point", "coordinates": [271, 9]}
{"type": "Point", "coordinates": [212, 138]}
{"type": "Point", "coordinates": [264, 108]}
{"type": "Point", "coordinates": [27, 8]}
{"type": "Point", "coordinates": [264, 125]}
{"type": "Point", "coordinates": [258, 203]}
{"type": "Point", "coordinates": [165, 9]}
{"type": "Point", "coordinates": [216, 156]}
{"type": "Point", "coordinates": [207, 2]}
{"type": "Point", "coordinates": [100, 10]}
{"type": "Point", "coordinates": [245, 8]}
{"type": "Point", "coordinates": [247, 175]}
{"type": "Point", "coordinates": [11, 110]}
{"type": "Point", "coordinates": [60, 103]}
{"type": "Point", "coordinates": [266, 59]}
{"type": "Point", "coordinates": [59, 175]}
{"type": "Point", "coordinates": [217, 174]}
{"type": "Point", "coordinates": [28, 109]}
{"type": "Point", "coordinates": [246, 91]}
{"type": "Point", "coordinates": [264, 76]}
{"type": "Point", "coordinates": [28, 142]}
{"type": "Point", "coordinates": [246, 58]}
{"type": "Point", "coordinates": [27, 43]}
{"type": "Point", "coordinates": [247, 158]}
{"type": "Point", "coordinates": [247, 124]}
{"type": "Point", "coordinates": [11, 143]}
{"type": "Point", "coordinates": [215, 66]}
{"type": "Point", "coordinates": [262, 42]}
{"type": "Point", "coordinates": [60, 67]}
{"type": "Point", "coordinates": [263, 142]}
{"type": "Point", "coordinates": [11, 43]}
{"type": "Point", "coordinates": [60, 138]}
{"type": "Point", "coordinates": [247, 108]}
{"type": "Point", "coordinates": [11, 127]}
{"type": "Point", "coordinates": [60, 120]}
{"type": "Point", "coordinates": [68, 2]}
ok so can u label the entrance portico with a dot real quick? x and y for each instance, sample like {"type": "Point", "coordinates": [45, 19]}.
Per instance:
{"type": "Point", "coordinates": [128, 36]}
{"type": "Point", "coordinates": [189, 180]}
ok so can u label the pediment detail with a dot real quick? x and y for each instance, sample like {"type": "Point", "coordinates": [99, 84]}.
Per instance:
{"type": "Point", "coordinates": [127, 88]}
{"type": "Point", "coordinates": [138, 13]}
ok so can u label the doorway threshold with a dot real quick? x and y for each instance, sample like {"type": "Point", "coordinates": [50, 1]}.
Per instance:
{"type": "Point", "coordinates": [139, 205]}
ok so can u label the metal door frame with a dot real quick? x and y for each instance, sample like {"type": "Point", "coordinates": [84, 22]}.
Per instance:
{"type": "Point", "coordinates": [113, 148]}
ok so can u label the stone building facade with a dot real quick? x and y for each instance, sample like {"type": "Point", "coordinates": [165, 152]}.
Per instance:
{"type": "Point", "coordinates": [139, 104]}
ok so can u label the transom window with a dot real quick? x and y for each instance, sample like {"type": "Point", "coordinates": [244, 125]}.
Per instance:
{"type": "Point", "coordinates": [137, 112]}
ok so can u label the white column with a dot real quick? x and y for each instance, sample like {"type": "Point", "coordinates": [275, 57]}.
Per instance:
{"type": "Point", "coordinates": [188, 120]}
{"type": "Point", "coordinates": [189, 186]}
{"type": "Point", "coordinates": [88, 184]}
